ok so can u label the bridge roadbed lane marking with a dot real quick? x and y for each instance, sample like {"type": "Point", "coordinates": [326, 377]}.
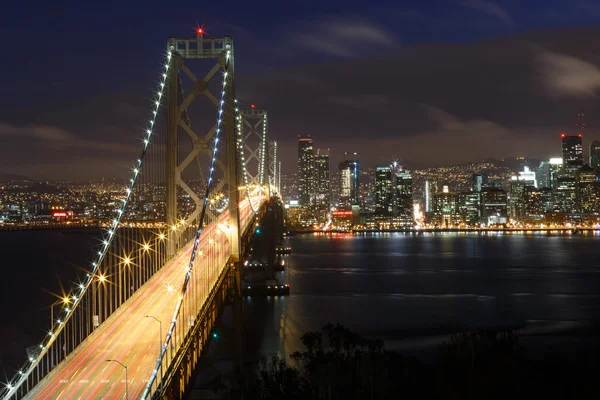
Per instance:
{"type": "Point", "coordinates": [142, 297]}
{"type": "Point", "coordinates": [159, 306]}
{"type": "Point", "coordinates": [154, 299]}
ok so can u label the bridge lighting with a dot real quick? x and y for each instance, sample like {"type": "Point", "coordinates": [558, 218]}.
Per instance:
{"type": "Point", "coordinates": [174, 227]}
{"type": "Point", "coordinates": [146, 247]}
{"type": "Point", "coordinates": [161, 236]}
{"type": "Point", "coordinates": [127, 261]}
{"type": "Point", "coordinates": [65, 300]}
{"type": "Point", "coordinates": [170, 288]}
{"type": "Point", "coordinates": [101, 278]}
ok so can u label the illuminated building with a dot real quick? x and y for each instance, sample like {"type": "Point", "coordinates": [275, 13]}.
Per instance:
{"type": "Point", "coordinates": [533, 207]}
{"type": "Point", "coordinates": [445, 208]}
{"type": "Point", "coordinates": [542, 174]}
{"type": "Point", "coordinates": [306, 170]}
{"type": "Point", "coordinates": [555, 166]}
{"type": "Point", "coordinates": [478, 181]}
{"type": "Point", "coordinates": [384, 191]}
{"type": "Point", "coordinates": [428, 196]}
{"type": "Point", "coordinates": [468, 207]}
{"type": "Point", "coordinates": [595, 154]}
{"type": "Point", "coordinates": [322, 179]}
{"type": "Point", "coordinates": [518, 183]}
{"type": "Point", "coordinates": [349, 183]}
{"type": "Point", "coordinates": [565, 195]}
{"type": "Point", "coordinates": [588, 190]}
{"type": "Point", "coordinates": [494, 206]}
{"type": "Point", "coordinates": [572, 148]}
{"type": "Point", "coordinates": [404, 208]}
{"type": "Point", "coordinates": [547, 199]}
{"type": "Point", "coordinates": [342, 219]}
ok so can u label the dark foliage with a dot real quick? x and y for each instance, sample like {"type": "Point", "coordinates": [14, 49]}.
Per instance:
{"type": "Point", "coordinates": [339, 364]}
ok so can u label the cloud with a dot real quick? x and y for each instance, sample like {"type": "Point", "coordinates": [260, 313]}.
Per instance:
{"type": "Point", "coordinates": [492, 9]}
{"type": "Point", "coordinates": [365, 101]}
{"type": "Point", "coordinates": [344, 37]}
{"type": "Point", "coordinates": [43, 132]}
{"type": "Point", "coordinates": [564, 75]}
{"type": "Point", "coordinates": [52, 136]}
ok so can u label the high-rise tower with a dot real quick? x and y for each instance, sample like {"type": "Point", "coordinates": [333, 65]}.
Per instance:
{"type": "Point", "coordinates": [306, 170]}
{"type": "Point", "coordinates": [572, 148]}
{"type": "Point", "coordinates": [322, 179]}
{"type": "Point", "coordinates": [384, 191]}
{"type": "Point", "coordinates": [595, 154]}
{"type": "Point", "coordinates": [349, 183]}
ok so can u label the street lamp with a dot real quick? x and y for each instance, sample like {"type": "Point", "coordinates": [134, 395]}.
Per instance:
{"type": "Point", "coordinates": [159, 341]}
{"type": "Point", "coordinates": [126, 381]}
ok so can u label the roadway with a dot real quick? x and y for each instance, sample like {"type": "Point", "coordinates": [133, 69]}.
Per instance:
{"type": "Point", "coordinates": [132, 339]}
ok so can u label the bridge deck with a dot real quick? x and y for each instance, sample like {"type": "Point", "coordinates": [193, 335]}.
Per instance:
{"type": "Point", "coordinates": [132, 339]}
{"type": "Point", "coordinates": [126, 336]}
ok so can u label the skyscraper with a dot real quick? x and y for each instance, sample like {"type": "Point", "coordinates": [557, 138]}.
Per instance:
{"type": "Point", "coordinates": [404, 197]}
{"type": "Point", "coordinates": [306, 170]}
{"type": "Point", "coordinates": [595, 154]}
{"type": "Point", "coordinates": [349, 183]}
{"type": "Point", "coordinates": [384, 191]}
{"type": "Point", "coordinates": [478, 181]}
{"type": "Point", "coordinates": [322, 179]}
{"type": "Point", "coordinates": [572, 148]}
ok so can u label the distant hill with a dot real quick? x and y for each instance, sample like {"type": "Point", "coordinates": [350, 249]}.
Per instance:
{"type": "Point", "coordinates": [13, 177]}
{"type": "Point", "coordinates": [38, 187]}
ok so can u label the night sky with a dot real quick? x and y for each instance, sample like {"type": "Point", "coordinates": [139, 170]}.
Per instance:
{"type": "Point", "coordinates": [431, 82]}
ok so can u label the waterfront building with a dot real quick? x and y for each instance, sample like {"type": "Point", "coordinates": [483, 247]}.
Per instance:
{"type": "Point", "coordinates": [494, 206]}
{"type": "Point", "coordinates": [384, 191]}
{"type": "Point", "coordinates": [349, 183]}
{"type": "Point", "coordinates": [322, 180]}
{"type": "Point", "coordinates": [306, 170]}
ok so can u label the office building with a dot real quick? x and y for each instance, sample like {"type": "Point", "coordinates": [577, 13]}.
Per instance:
{"type": "Point", "coordinates": [479, 180]}
{"type": "Point", "coordinates": [595, 154]}
{"type": "Point", "coordinates": [518, 183]}
{"type": "Point", "coordinates": [349, 183]}
{"type": "Point", "coordinates": [542, 174]}
{"type": "Point", "coordinates": [306, 170]}
{"type": "Point", "coordinates": [588, 190]}
{"type": "Point", "coordinates": [533, 207]}
{"type": "Point", "coordinates": [468, 207]}
{"type": "Point", "coordinates": [494, 206]}
{"type": "Point", "coordinates": [572, 148]}
{"type": "Point", "coordinates": [565, 195]}
{"type": "Point", "coordinates": [322, 179]}
{"type": "Point", "coordinates": [445, 208]}
{"type": "Point", "coordinates": [384, 191]}
{"type": "Point", "coordinates": [404, 207]}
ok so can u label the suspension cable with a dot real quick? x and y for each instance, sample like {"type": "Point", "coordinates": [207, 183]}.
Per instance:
{"type": "Point", "coordinates": [82, 288]}
{"type": "Point", "coordinates": [188, 274]}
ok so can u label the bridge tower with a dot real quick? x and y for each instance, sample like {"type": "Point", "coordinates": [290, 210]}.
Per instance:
{"type": "Point", "coordinates": [273, 167]}
{"type": "Point", "coordinates": [254, 132]}
{"type": "Point", "coordinates": [178, 121]}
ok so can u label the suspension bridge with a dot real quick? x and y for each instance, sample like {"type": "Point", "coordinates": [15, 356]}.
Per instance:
{"type": "Point", "coordinates": [136, 321]}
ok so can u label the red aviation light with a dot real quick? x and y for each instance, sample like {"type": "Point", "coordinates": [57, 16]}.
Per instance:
{"type": "Point", "coordinates": [562, 135]}
{"type": "Point", "coordinates": [252, 106]}
{"type": "Point", "coordinates": [200, 31]}
{"type": "Point", "coordinates": [579, 135]}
